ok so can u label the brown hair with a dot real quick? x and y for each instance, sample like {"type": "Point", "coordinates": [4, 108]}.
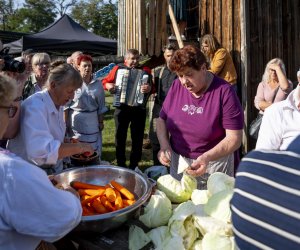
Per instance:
{"type": "Point", "coordinates": [212, 43]}
{"type": "Point", "coordinates": [187, 57]}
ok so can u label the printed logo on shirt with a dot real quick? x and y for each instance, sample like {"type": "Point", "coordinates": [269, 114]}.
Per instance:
{"type": "Point", "coordinates": [192, 110]}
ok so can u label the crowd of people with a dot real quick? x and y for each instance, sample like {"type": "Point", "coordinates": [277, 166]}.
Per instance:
{"type": "Point", "coordinates": [56, 109]}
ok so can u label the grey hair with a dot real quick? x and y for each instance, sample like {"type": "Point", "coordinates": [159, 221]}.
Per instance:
{"type": "Point", "coordinates": [40, 57]}
{"type": "Point", "coordinates": [62, 73]}
{"type": "Point", "coordinates": [277, 61]}
{"type": "Point", "coordinates": [8, 89]}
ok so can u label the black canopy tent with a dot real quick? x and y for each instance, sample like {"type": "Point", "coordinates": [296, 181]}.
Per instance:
{"type": "Point", "coordinates": [64, 36]}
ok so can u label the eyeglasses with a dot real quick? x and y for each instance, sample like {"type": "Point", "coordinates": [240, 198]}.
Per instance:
{"type": "Point", "coordinates": [12, 110]}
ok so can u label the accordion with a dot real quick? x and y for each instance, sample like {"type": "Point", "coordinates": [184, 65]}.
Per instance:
{"type": "Point", "coordinates": [128, 85]}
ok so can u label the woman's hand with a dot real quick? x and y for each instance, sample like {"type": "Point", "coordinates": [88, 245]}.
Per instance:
{"type": "Point", "coordinates": [199, 166]}
{"type": "Point", "coordinates": [85, 148]}
{"type": "Point", "coordinates": [164, 156]}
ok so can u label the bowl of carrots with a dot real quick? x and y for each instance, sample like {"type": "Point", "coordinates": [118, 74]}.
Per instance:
{"type": "Point", "coordinates": [109, 195]}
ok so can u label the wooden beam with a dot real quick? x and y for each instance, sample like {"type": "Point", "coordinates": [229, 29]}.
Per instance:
{"type": "Point", "coordinates": [175, 25]}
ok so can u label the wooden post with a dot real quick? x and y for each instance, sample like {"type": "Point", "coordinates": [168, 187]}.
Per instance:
{"type": "Point", "coordinates": [244, 71]}
{"type": "Point", "coordinates": [175, 26]}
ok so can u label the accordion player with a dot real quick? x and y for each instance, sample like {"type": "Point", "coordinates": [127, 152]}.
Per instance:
{"type": "Point", "coordinates": [128, 87]}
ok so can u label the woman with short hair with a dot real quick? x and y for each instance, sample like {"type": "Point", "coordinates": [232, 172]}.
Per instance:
{"type": "Point", "coordinates": [201, 120]}
{"type": "Point", "coordinates": [86, 111]}
{"type": "Point", "coordinates": [41, 137]}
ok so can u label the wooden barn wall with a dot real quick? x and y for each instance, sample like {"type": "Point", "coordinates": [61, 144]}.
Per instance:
{"type": "Point", "coordinates": [273, 31]}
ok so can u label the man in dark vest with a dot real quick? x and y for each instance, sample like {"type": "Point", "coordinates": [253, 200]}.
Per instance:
{"type": "Point", "coordinates": [163, 79]}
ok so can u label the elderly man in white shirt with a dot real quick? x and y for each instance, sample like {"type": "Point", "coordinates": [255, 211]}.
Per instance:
{"type": "Point", "coordinates": [281, 123]}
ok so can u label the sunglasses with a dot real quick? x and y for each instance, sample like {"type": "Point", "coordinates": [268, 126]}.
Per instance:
{"type": "Point", "coordinates": [12, 110]}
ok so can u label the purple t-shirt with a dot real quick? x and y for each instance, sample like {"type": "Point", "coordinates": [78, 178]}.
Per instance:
{"type": "Point", "coordinates": [198, 124]}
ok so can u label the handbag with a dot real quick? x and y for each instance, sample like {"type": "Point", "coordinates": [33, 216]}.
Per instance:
{"type": "Point", "coordinates": [255, 124]}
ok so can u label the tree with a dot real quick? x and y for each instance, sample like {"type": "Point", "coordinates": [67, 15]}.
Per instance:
{"type": "Point", "coordinates": [62, 6]}
{"type": "Point", "coordinates": [33, 17]}
{"type": "Point", "coordinates": [98, 16]}
{"type": "Point", "coordinates": [6, 10]}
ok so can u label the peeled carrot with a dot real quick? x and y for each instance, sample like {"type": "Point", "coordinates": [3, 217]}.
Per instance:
{"type": "Point", "coordinates": [124, 191]}
{"type": "Point", "coordinates": [91, 192]}
{"type": "Point", "coordinates": [83, 185]}
{"type": "Point", "coordinates": [89, 200]}
{"type": "Point", "coordinates": [118, 201]}
{"type": "Point", "coordinates": [110, 194]}
{"type": "Point", "coordinates": [97, 205]}
{"type": "Point", "coordinates": [87, 211]}
{"type": "Point", "coordinates": [127, 203]}
{"type": "Point", "coordinates": [105, 202]}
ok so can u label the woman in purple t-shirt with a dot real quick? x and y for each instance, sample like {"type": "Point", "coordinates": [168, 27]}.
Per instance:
{"type": "Point", "coordinates": [201, 120]}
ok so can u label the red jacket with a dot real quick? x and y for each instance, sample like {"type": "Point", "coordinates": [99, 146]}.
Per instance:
{"type": "Point", "coordinates": [111, 77]}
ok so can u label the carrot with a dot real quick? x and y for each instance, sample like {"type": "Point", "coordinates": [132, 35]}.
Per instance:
{"type": "Point", "coordinates": [124, 191]}
{"type": "Point", "coordinates": [91, 192]}
{"type": "Point", "coordinates": [105, 202]}
{"type": "Point", "coordinates": [97, 205]}
{"type": "Point", "coordinates": [118, 201]}
{"type": "Point", "coordinates": [89, 200]}
{"type": "Point", "coordinates": [127, 203]}
{"type": "Point", "coordinates": [83, 185]}
{"type": "Point", "coordinates": [87, 211]}
{"type": "Point", "coordinates": [110, 194]}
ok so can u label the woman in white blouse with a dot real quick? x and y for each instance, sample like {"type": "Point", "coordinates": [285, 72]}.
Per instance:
{"type": "Point", "coordinates": [31, 208]}
{"type": "Point", "coordinates": [41, 137]}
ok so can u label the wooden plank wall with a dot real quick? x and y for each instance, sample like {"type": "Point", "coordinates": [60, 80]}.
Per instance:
{"type": "Point", "coordinates": [273, 32]}
{"type": "Point", "coordinates": [144, 27]}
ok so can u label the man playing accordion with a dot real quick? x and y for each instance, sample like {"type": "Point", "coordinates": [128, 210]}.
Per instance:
{"type": "Point", "coordinates": [131, 86]}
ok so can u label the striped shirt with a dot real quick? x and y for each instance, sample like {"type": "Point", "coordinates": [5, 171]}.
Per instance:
{"type": "Point", "coordinates": [266, 201]}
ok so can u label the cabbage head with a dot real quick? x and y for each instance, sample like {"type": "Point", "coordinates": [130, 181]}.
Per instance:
{"type": "Point", "coordinates": [199, 196]}
{"type": "Point", "coordinates": [218, 182]}
{"type": "Point", "coordinates": [177, 191]}
{"type": "Point", "coordinates": [137, 238]}
{"type": "Point", "coordinates": [214, 241]}
{"type": "Point", "coordinates": [218, 206]}
{"type": "Point", "coordinates": [158, 211]}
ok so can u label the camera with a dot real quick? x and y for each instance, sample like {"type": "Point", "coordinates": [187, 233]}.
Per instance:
{"type": "Point", "coordinates": [10, 64]}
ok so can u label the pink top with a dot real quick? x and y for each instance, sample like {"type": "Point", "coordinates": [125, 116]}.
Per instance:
{"type": "Point", "coordinates": [265, 93]}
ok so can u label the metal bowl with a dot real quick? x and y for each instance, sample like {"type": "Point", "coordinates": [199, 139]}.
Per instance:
{"type": "Point", "coordinates": [101, 175]}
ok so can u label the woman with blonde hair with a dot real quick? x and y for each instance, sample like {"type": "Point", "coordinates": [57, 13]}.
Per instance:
{"type": "Point", "coordinates": [31, 208]}
{"type": "Point", "coordinates": [274, 86]}
{"type": "Point", "coordinates": [40, 63]}
{"type": "Point", "coordinates": [220, 61]}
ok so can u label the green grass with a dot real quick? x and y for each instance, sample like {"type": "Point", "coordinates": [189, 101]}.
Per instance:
{"type": "Point", "coordinates": [108, 147]}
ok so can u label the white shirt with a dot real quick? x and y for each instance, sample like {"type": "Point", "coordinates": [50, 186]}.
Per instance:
{"type": "Point", "coordinates": [42, 130]}
{"type": "Point", "coordinates": [280, 124]}
{"type": "Point", "coordinates": [31, 208]}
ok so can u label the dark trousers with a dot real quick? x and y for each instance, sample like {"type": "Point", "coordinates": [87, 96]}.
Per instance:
{"type": "Point", "coordinates": [136, 118]}
{"type": "Point", "coordinates": [152, 134]}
